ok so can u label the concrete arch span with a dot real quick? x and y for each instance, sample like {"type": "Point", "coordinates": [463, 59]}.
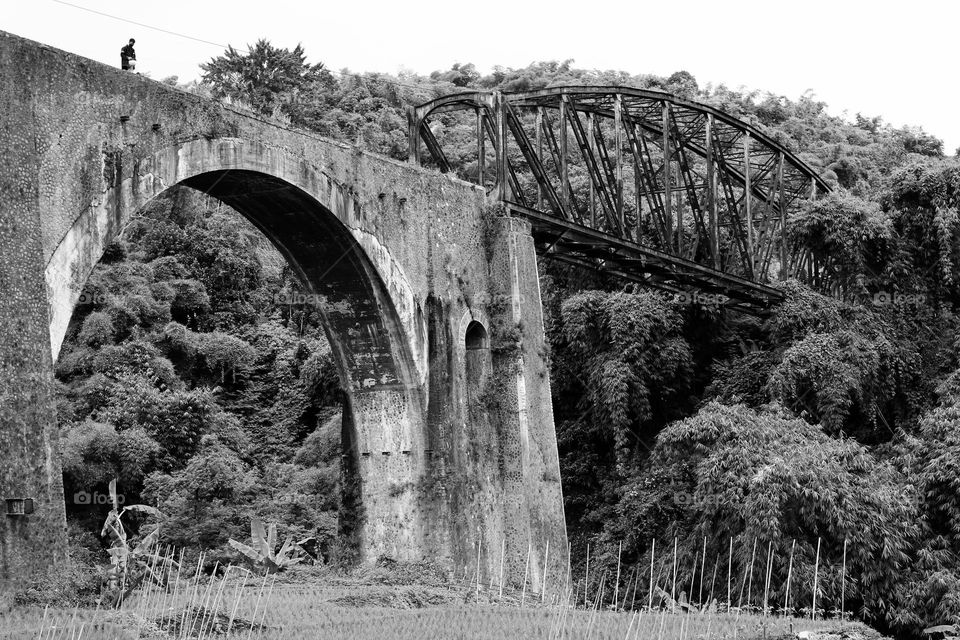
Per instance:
{"type": "Point", "coordinates": [311, 219]}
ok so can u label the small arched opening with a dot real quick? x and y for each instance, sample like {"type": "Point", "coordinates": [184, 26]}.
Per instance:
{"type": "Point", "coordinates": [477, 365]}
{"type": "Point", "coordinates": [476, 337]}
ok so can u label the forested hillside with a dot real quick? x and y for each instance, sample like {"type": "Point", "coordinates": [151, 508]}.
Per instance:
{"type": "Point", "coordinates": [835, 422]}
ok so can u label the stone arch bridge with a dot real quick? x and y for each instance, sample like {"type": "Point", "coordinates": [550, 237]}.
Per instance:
{"type": "Point", "coordinates": [427, 285]}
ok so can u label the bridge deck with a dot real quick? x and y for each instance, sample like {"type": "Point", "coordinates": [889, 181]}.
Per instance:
{"type": "Point", "coordinates": [576, 244]}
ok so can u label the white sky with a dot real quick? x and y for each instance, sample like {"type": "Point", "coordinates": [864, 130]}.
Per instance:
{"type": "Point", "coordinates": [898, 60]}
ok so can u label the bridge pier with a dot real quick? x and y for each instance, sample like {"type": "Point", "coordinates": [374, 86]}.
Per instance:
{"type": "Point", "coordinates": [533, 509]}
{"type": "Point", "coordinates": [29, 464]}
{"type": "Point", "coordinates": [494, 479]}
{"type": "Point", "coordinates": [388, 463]}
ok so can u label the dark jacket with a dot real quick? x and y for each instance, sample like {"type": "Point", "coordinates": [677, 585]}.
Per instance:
{"type": "Point", "coordinates": [128, 53]}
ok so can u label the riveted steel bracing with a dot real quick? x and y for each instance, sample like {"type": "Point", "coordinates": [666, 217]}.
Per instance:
{"type": "Point", "coordinates": [640, 184]}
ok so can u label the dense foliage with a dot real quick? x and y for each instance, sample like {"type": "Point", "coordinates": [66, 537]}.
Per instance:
{"type": "Point", "coordinates": [829, 430]}
{"type": "Point", "coordinates": [184, 379]}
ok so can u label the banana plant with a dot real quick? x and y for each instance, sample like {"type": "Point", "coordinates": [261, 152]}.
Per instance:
{"type": "Point", "coordinates": [130, 566]}
{"type": "Point", "coordinates": [262, 555]}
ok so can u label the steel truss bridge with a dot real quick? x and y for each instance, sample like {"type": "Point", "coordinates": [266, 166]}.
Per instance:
{"type": "Point", "coordinates": [638, 184]}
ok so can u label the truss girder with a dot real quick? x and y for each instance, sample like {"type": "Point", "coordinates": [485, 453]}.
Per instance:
{"type": "Point", "coordinates": [682, 179]}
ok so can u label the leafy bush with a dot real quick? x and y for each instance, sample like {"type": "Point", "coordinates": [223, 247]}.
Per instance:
{"type": "Point", "coordinates": [631, 359]}
{"type": "Point", "coordinates": [168, 268]}
{"type": "Point", "coordinates": [733, 472]}
{"type": "Point", "coordinates": [97, 330]}
{"type": "Point", "coordinates": [852, 236]}
{"type": "Point", "coordinates": [175, 419]}
{"type": "Point", "coordinates": [225, 354]}
{"type": "Point", "coordinates": [94, 453]}
{"type": "Point", "coordinates": [322, 447]}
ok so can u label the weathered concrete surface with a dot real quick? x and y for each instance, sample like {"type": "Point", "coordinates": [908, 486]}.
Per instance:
{"type": "Point", "coordinates": [29, 466]}
{"type": "Point", "coordinates": [455, 451]}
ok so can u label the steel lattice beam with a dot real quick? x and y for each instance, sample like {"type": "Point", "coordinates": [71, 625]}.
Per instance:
{"type": "Point", "coordinates": [706, 189]}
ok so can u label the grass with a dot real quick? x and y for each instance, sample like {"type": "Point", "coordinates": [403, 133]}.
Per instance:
{"type": "Point", "coordinates": [295, 614]}
{"type": "Point", "coordinates": [423, 600]}
{"type": "Point", "coordinates": [371, 605]}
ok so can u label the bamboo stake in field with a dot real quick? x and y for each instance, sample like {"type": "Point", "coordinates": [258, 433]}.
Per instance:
{"type": "Point", "coordinates": [141, 609]}
{"type": "Point", "coordinates": [503, 551]}
{"type": "Point", "coordinates": [603, 585]}
{"type": "Point", "coordinates": [663, 617]}
{"type": "Point", "coordinates": [703, 569]}
{"type": "Point", "coordinates": [713, 582]}
{"type": "Point", "coordinates": [73, 621]}
{"type": "Point", "coordinates": [236, 601]}
{"type": "Point", "coordinates": [196, 587]}
{"type": "Point", "coordinates": [176, 588]}
{"type": "Point", "coordinates": [155, 591]}
{"type": "Point", "coordinates": [256, 607]}
{"type": "Point", "coordinates": [43, 621]}
{"type": "Point", "coordinates": [816, 569]}
{"type": "Point", "coordinates": [766, 582]}
{"type": "Point", "coordinates": [693, 576]}
{"type": "Point", "coordinates": [594, 611]}
{"type": "Point", "coordinates": [568, 610]}
{"type": "Point", "coordinates": [206, 598]}
{"type": "Point", "coordinates": [263, 616]}
{"type": "Point", "coordinates": [145, 590]}
{"type": "Point", "coordinates": [166, 582]}
{"type": "Point", "coordinates": [616, 582]}
{"type": "Point", "coordinates": [586, 578]}
{"type": "Point", "coordinates": [557, 620]}
{"type": "Point", "coordinates": [673, 589]}
{"type": "Point", "coordinates": [634, 577]}
{"type": "Point", "coordinates": [653, 552]}
{"type": "Point", "coordinates": [479, 553]}
{"type": "Point", "coordinates": [215, 606]}
{"type": "Point", "coordinates": [633, 619]}
{"type": "Point", "coordinates": [593, 608]}
{"type": "Point", "coordinates": [639, 614]}
{"type": "Point", "coordinates": [161, 601]}
{"type": "Point", "coordinates": [753, 556]}
{"type": "Point", "coordinates": [526, 567]}
{"type": "Point", "coordinates": [843, 582]}
{"type": "Point", "coordinates": [730, 575]}
{"type": "Point", "coordinates": [786, 596]}
{"type": "Point", "coordinates": [543, 583]}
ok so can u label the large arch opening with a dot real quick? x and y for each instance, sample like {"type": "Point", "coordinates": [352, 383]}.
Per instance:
{"type": "Point", "coordinates": [340, 291]}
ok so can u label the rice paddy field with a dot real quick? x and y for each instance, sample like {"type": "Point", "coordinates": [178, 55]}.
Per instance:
{"type": "Point", "coordinates": [243, 607]}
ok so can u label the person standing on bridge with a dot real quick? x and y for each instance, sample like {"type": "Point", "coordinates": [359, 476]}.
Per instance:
{"type": "Point", "coordinates": [128, 57]}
